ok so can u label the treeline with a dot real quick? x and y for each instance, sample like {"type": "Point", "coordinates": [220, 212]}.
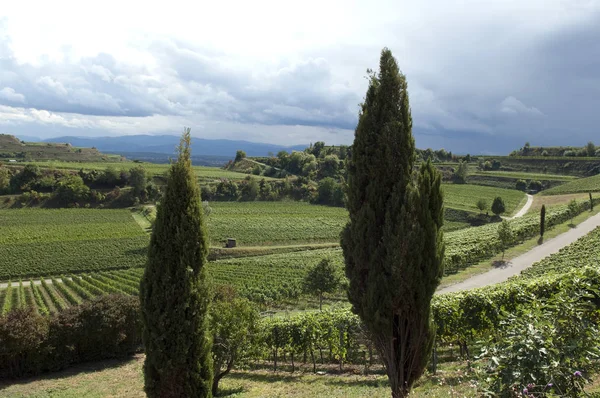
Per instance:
{"type": "Point", "coordinates": [328, 191]}
{"type": "Point", "coordinates": [69, 188]}
{"type": "Point", "coordinates": [590, 150]}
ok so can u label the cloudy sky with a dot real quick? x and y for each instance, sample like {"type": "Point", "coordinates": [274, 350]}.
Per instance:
{"type": "Point", "coordinates": [484, 76]}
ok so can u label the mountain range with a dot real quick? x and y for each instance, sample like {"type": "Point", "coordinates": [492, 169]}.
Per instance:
{"type": "Point", "coordinates": [159, 148]}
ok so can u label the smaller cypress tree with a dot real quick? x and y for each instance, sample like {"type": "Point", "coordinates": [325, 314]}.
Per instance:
{"type": "Point", "coordinates": [591, 202]}
{"type": "Point", "coordinates": [174, 295]}
{"type": "Point", "coordinates": [542, 220]}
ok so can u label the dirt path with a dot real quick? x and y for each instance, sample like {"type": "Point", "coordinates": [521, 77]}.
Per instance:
{"type": "Point", "coordinates": [524, 209]}
{"type": "Point", "coordinates": [526, 260]}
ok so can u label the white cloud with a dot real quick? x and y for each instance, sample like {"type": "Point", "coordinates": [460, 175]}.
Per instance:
{"type": "Point", "coordinates": [11, 95]}
{"type": "Point", "coordinates": [511, 105]}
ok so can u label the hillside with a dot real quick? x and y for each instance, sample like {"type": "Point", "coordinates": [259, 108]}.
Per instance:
{"type": "Point", "coordinates": [12, 148]}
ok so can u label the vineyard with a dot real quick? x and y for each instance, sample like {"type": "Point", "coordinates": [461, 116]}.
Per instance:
{"type": "Point", "coordinates": [38, 242]}
{"type": "Point", "coordinates": [465, 197]}
{"type": "Point", "coordinates": [582, 185]}
{"type": "Point", "coordinates": [275, 223]}
{"type": "Point", "coordinates": [584, 252]}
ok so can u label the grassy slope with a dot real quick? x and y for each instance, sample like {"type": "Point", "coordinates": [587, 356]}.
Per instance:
{"type": "Point", "coordinates": [589, 184]}
{"type": "Point", "coordinates": [153, 169]}
{"type": "Point", "coordinates": [465, 196]}
{"type": "Point", "coordinates": [526, 176]}
{"type": "Point", "coordinates": [125, 379]}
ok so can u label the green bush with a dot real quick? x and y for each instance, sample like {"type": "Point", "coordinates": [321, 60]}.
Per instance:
{"type": "Point", "coordinates": [546, 349]}
{"type": "Point", "coordinates": [105, 327]}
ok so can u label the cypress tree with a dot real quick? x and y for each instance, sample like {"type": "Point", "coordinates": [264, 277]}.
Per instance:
{"type": "Point", "coordinates": [591, 202]}
{"type": "Point", "coordinates": [542, 220]}
{"type": "Point", "coordinates": [174, 294]}
{"type": "Point", "coordinates": [393, 244]}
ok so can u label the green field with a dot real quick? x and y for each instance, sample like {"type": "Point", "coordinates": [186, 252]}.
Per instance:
{"type": "Point", "coordinates": [275, 223]}
{"type": "Point", "coordinates": [153, 169]}
{"type": "Point", "coordinates": [38, 242]}
{"type": "Point", "coordinates": [582, 185]}
{"type": "Point", "coordinates": [465, 197]}
{"type": "Point", "coordinates": [525, 175]}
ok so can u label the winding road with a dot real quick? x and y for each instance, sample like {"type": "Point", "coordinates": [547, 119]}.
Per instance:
{"type": "Point", "coordinates": [511, 268]}
{"type": "Point", "coordinates": [526, 260]}
{"type": "Point", "coordinates": [524, 209]}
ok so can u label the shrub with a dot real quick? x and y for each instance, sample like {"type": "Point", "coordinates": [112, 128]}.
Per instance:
{"type": "Point", "coordinates": [535, 185]}
{"type": "Point", "coordinates": [546, 349]}
{"type": "Point", "coordinates": [521, 185]}
{"type": "Point", "coordinates": [498, 206]}
{"type": "Point", "coordinates": [104, 327]}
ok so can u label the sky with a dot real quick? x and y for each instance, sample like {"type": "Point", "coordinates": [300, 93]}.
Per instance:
{"type": "Point", "coordinates": [483, 76]}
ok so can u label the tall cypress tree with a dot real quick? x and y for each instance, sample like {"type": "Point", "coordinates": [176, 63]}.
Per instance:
{"type": "Point", "coordinates": [393, 244]}
{"type": "Point", "coordinates": [542, 220]}
{"type": "Point", "coordinates": [174, 293]}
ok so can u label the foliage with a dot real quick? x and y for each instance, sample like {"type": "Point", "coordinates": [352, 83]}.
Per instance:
{"type": "Point", "coordinates": [535, 186]}
{"type": "Point", "coordinates": [542, 220]}
{"type": "Point", "coordinates": [71, 189]}
{"type": "Point", "coordinates": [233, 324]}
{"type": "Point", "coordinates": [174, 292]}
{"type": "Point", "coordinates": [137, 180]}
{"type": "Point", "coordinates": [330, 192]}
{"type": "Point", "coordinates": [322, 278]}
{"type": "Point", "coordinates": [461, 172]}
{"type": "Point", "coordinates": [582, 185]}
{"type": "Point", "coordinates": [239, 155]}
{"type": "Point", "coordinates": [498, 206]}
{"type": "Point", "coordinates": [590, 149]}
{"type": "Point", "coordinates": [544, 349]}
{"type": "Point", "coordinates": [482, 204]}
{"type": "Point", "coordinates": [107, 327]}
{"type": "Point", "coordinates": [573, 209]}
{"type": "Point", "coordinates": [393, 245]}
{"type": "Point", "coordinates": [521, 185]}
{"type": "Point", "coordinates": [505, 235]}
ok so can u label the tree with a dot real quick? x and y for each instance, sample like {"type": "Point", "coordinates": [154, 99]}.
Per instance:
{"type": "Point", "coordinates": [393, 244]}
{"type": "Point", "coordinates": [233, 324]}
{"type": "Point", "coordinates": [239, 155]}
{"type": "Point", "coordinates": [535, 185]}
{"type": "Point", "coordinates": [590, 149]}
{"type": "Point", "coordinates": [505, 235]}
{"type": "Point", "coordinates": [4, 179]}
{"type": "Point", "coordinates": [542, 220]}
{"type": "Point", "coordinates": [137, 180]}
{"type": "Point", "coordinates": [521, 185]}
{"type": "Point", "coordinates": [320, 279]}
{"type": "Point", "coordinates": [173, 292]}
{"type": "Point", "coordinates": [498, 206]}
{"type": "Point", "coordinates": [482, 204]}
{"type": "Point", "coordinates": [461, 172]}
{"type": "Point", "coordinates": [591, 202]}
{"type": "Point", "coordinates": [573, 209]}
{"type": "Point", "coordinates": [71, 189]}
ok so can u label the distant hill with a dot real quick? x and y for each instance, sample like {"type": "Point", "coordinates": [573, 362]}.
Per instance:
{"type": "Point", "coordinates": [13, 148]}
{"type": "Point", "coordinates": [166, 144]}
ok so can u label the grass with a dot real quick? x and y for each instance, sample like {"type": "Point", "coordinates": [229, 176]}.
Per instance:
{"type": "Point", "coordinates": [589, 184]}
{"type": "Point", "coordinates": [555, 200]}
{"type": "Point", "coordinates": [125, 379]}
{"type": "Point", "coordinates": [465, 197]}
{"type": "Point", "coordinates": [525, 176]}
{"type": "Point", "coordinates": [152, 169]}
